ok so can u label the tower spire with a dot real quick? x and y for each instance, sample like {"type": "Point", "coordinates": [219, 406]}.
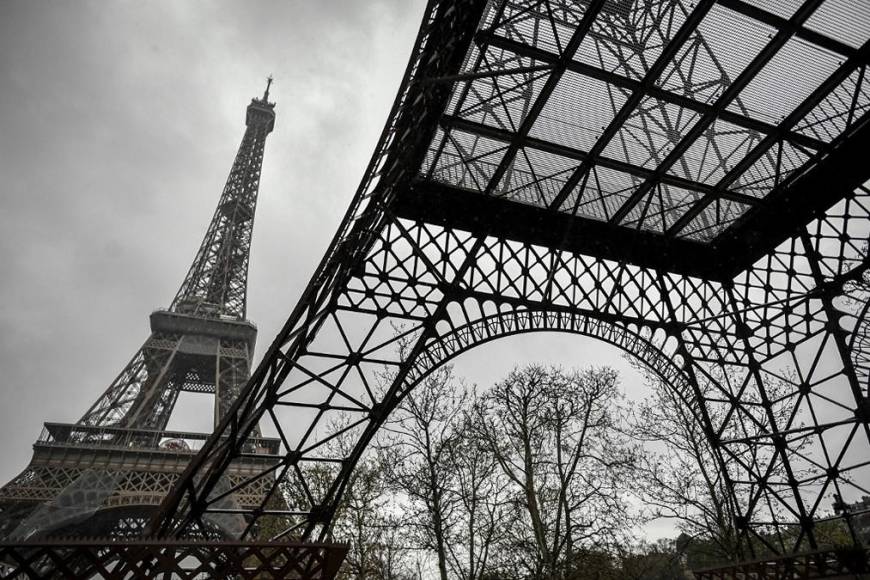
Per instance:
{"type": "Point", "coordinates": [217, 282]}
{"type": "Point", "coordinates": [269, 80]}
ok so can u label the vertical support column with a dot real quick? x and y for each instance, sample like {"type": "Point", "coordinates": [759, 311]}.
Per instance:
{"type": "Point", "coordinates": [156, 397]}
{"type": "Point", "coordinates": [862, 402]}
{"type": "Point", "coordinates": [131, 399]}
{"type": "Point", "coordinates": [712, 436]}
{"type": "Point", "coordinates": [231, 373]}
{"type": "Point", "coordinates": [779, 441]}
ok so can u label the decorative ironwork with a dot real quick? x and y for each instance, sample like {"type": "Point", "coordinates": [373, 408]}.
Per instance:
{"type": "Point", "coordinates": [146, 559]}
{"type": "Point", "coordinates": [654, 173]}
{"type": "Point", "coordinates": [106, 474]}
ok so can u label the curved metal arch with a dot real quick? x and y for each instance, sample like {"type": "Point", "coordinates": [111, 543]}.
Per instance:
{"type": "Point", "coordinates": [859, 345]}
{"type": "Point", "coordinates": [488, 328]}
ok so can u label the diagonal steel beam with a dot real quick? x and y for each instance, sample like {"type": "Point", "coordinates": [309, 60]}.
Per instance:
{"type": "Point", "coordinates": [743, 79]}
{"type": "Point", "coordinates": [819, 188]}
{"type": "Point", "coordinates": [656, 92]}
{"type": "Point", "coordinates": [559, 68]}
{"type": "Point", "coordinates": [667, 55]}
{"type": "Point", "coordinates": [837, 77]}
{"type": "Point", "coordinates": [780, 23]}
{"type": "Point", "coordinates": [498, 134]}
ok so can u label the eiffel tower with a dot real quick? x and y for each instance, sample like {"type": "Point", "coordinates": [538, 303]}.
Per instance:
{"type": "Point", "coordinates": [105, 474]}
{"type": "Point", "coordinates": [683, 179]}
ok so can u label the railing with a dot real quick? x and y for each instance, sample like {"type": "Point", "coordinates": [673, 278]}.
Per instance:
{"type": "Point", "coordinates": [187, 560]}
{"type": "Point", "coordinates": [843, 563]}
{"type": "Point", "coordinates": [181, 442]}
{"type": "Point", "coordinates": [212, 313]}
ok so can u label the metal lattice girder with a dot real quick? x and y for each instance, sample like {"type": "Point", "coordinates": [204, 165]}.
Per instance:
{"type": "Point", "coordinates": [183, 560]}
{"type": "Point", "coordinates": [217, 283]}
{"type": "Point", "coordinates": [535, 174]}
{"type": "Point", "coordinates": [94, 481]}
{"type": "Point", "coordinates": [691, 129]}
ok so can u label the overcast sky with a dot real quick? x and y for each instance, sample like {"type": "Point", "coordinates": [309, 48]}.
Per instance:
{"type": "Point", "coordinates": [118, 125]}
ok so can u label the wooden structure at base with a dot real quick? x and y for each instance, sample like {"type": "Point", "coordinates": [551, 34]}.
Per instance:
{"type": "Point", "coordinates": [182, 560]}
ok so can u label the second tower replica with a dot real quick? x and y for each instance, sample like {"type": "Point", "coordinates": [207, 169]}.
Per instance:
{"type": "Point", "coordinates": [107, 473]}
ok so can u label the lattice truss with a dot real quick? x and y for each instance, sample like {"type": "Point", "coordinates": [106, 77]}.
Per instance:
{"type": "Point", "coordinates": [144, 393]}
{"type": "Point", "coordinates": [128, 487]}
{"type": "Point", "coordinates": [682, 121]}
{"type": "Point", "coordinates": [652, 116]}
{"type": "Point", "coordinates": [190, 560]}
{"type": "Point", "coordinates": [217, 282]}
{"type": "Point", "coordinates": [132, 415]}
{"type": "Point", "coordinates": [88, 496]}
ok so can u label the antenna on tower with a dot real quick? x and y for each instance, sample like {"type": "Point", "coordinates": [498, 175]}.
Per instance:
{"type": "Point", "coordinates": [269, 80]}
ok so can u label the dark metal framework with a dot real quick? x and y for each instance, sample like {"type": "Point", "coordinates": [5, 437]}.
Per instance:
{"type": "Point", "coordinates": [145, 560]}
{"type": "Point", "coordinates": [681, 179]}
{"type": "Point", "coordinates": [843, 563]}
{"type": "Point", "coordinates": [107, 473]}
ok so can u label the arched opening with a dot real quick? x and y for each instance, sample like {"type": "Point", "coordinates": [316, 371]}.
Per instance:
{"type": "Point", "coordinates": [654, 348]}
{"type": "Point", "coordinates": [490, 362]}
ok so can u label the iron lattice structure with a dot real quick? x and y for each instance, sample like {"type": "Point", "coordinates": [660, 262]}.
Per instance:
{"type": "Point", "coordinates": [106, 473]}
{"type": "Point", "coordinates": [147, 559]}
{"type": "Point", "coordinates": [681, 179]}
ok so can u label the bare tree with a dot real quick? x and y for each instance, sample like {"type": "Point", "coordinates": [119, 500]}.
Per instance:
{"type": "Point", "coordinates": [680, 476]}
{"type": "Point", "coordinates": [366, 517]}
{"type": "Point", "coordinates": [554, 436]}
{"type": "Point", "coordinates": [416, 447]}
{"type": "Point", "coordinates": [390, 554]}
{"type": "Point", "coordinates": [682, 481]}
{"type": "Point", "coordinates": [481, 492]}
